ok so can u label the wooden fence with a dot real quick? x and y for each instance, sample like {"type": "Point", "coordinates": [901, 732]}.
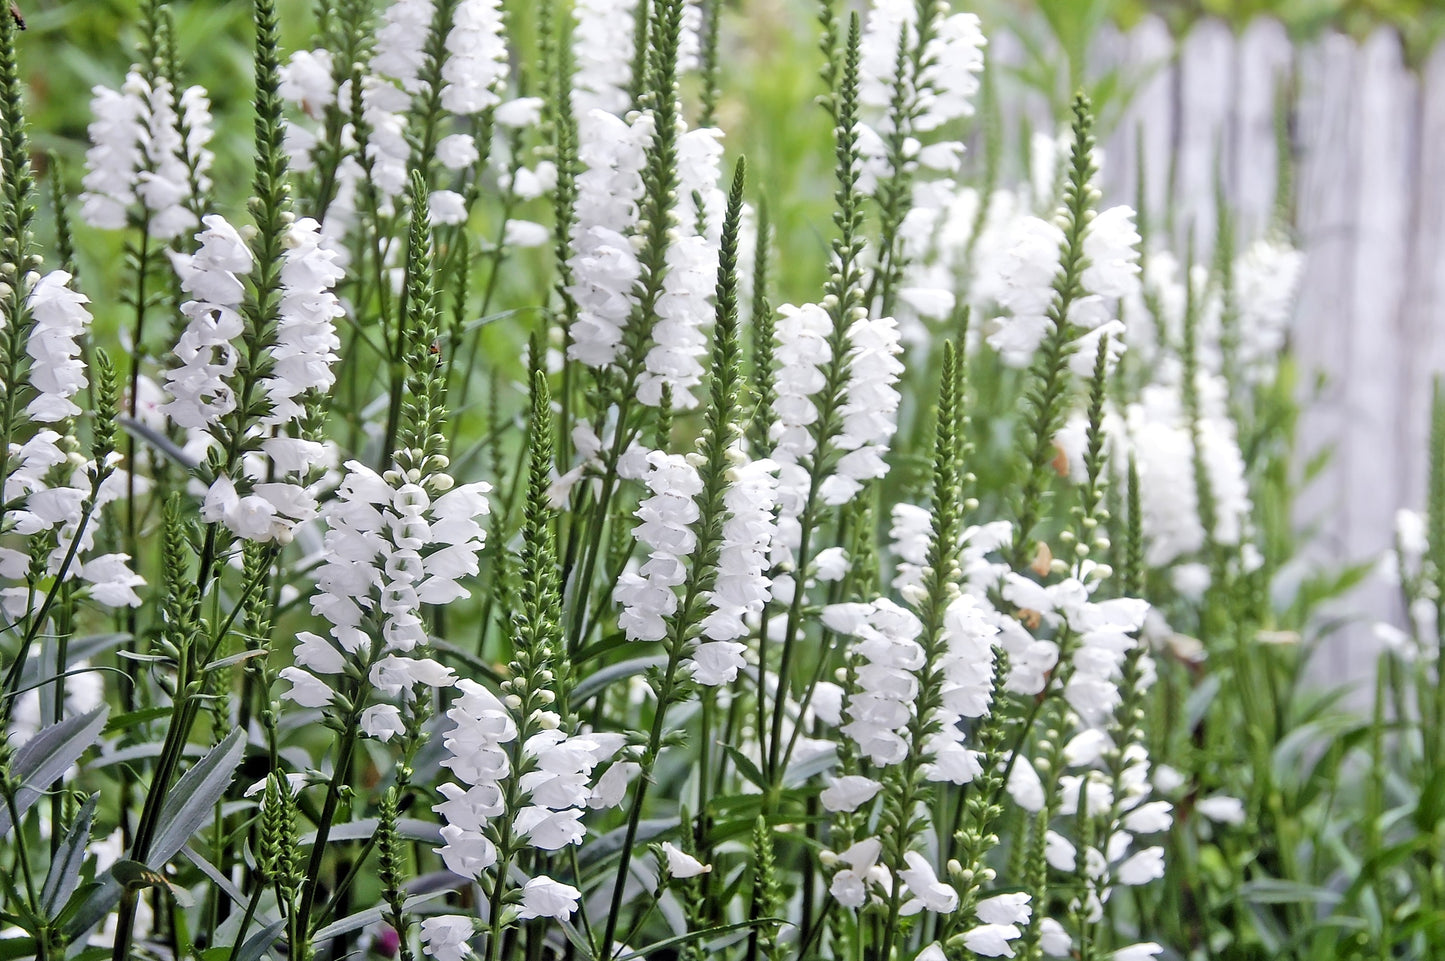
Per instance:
{"type": "Point", "coordinates": [1367, 134]}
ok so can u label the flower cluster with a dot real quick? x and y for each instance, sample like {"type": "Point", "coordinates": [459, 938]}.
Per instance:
{"type": "Point", "coordinates": [148, 145]}
{"type": "Point", "coordinates": [647, 595]}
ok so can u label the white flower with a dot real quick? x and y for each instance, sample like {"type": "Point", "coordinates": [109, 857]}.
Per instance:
{"type": "Point", "coordinates": [647, 595]}
{"type": "Point", "coordinates": [112, 582]}
{"type": "Point", "coordinates": [1005, 909]}
{"type": "Point", "coordinates": [549, 830]}
{"type": "Point", "coordinates": [1026, 266]}
{"type": "Point", "coordinates": [869, 412]}
{"type": "Point", "coordinates": [1141, 868]}
{"type": "Point", "coordinates": [611, 787]}
{"type": "Point", "coordinates": [383, 108]}
{"type": "Point", "coordinates": [928, 892]}
{"type": "Point", "coordinates": [147, 145]}
{"type": "Point", "coordinates": [401, 41]}
{"type": "Point", "coordinates": [850, 885]}
{"type": "Point", "coordinates": [1266, 279]}
{"type": "Point", "coordinates": [1221, 809]}
{"type": "Point", "coordinates": [306, 80]}
{"type": "Point", "coordinates": [382, 721]}
{"type": "Point", "coordinates": [115, 155]}
{"type": "Point", "coordinates": [883, 703]}
{"type": "Point", "coordinates": [1053, 939]}
{"type": "Point", "coordinates": [680, 864]}
{"type": "Point", "coordinates": [801, 335]}
{"type": "Point", "coordinates": [477, 61]}
{"type": "Point", "coordinates": [602, 48]}
{"type": "Point", "coordinates": [56, 371]}
{"type": "Point", "coordinates": [445, 937]}
{"type": "Point", "coordinates": [446, 207]}
{"type": "Point", "coordinates": [1150, 818]}
{"type": "Point", "coordinates": [991, 940]}
{"type": "Point", "coordinates": [850, 792]}
{"type": "Point", "coordinates": [741, 586]}
{"type": "Point", "coordinates": [306, 690]}
{"type": "Point", "coordinates": [305, 342]}
{"type": "Point", "coordinates": [683, 307]}
{"type": "Point", "coordinates": [457, 151]}
{"type": "Point", "coordinates": [544, 898]}
{"type": "Point", "coordinates": [480, 726]}
{"type": "Point", "coordinates": [1111, 245]}
{"type": "Point", "coordinates": [525, 233]}
{"type": "Point", "coordinates": [200, 393]}
{"type": "Point", "coordinates": [1138, 952]}
{"type": "Point", "coordinates": [604, 265]}
{"type": "Point", "coordinates": [520, 113]}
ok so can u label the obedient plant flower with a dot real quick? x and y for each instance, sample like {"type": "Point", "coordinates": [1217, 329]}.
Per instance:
{"type": "Point", "coordinates": [445, 937]}
{"type": "Point", "coordinates": [477, 61]}
{"type": "Point", "coordinates": [674, 361]}
{"type": "Point", "coordinates": [870, 408]}
{"type": "Point", "coordinates": [647, 595]}
{"type": "Point", "coordinates": [886, 642]}
{"type": "Point", "coordinates": [544, 898]}
{"type": "Point", "coordinates": [742, 585]}
{"type": "Point", "coordinates": [602, 48]}
{"type": "Point", "coordinates": [59, 320]}
{"type": "Point", "coordinates": [401, 42]}
{"type": "Point", "coordinates": [148, 145]}
{"type": "Point", "coordinates": [199, 388]}
{"type": "Point", "coordinates": [604, 266]}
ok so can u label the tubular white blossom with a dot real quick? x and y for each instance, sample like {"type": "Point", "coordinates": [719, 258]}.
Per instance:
{"type": "Point", "coordinates": [116, 154]}
{"type": "Point", "coordinates": [647, 595]}
{"type": "Point", "coordinates": [59, 319]}
{"type": "Point", "coordinates": [200, 394]}
{"type": "Point", "coordinates": [383, 108]}
{"type": "Point", "coordinates": [887, 686]}
{"type": "Point", "coordinates": [742, 586]}
{"type": "Point", "coordinates": [967, 691]}
{"type": "Point", "coordinates": [480, 726]}
{"type": "Point", "coordinates": [401, 42]}
{"type": "Point", "coordinates": [870, 410]}
{"type": "Point", "coordinates": [147, 145]}
{"type": "Point", "coordinates": [307, 81]}
{"type": "Point", "coordinates": [603, 263]}
{"type": "Point", "coordinates": [478, 57]}
{"type": "Point", "coordinates": [390, 548]}
{"type": "Point", "coordinates": [445, 937]}
{"type": "Point", "coordinates": [683, 307]}
{"type": "Point", "coordinates": [602, 48]}
{"type": "Point", "coordinates": [306, 341]}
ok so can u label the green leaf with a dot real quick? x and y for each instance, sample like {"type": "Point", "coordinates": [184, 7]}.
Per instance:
{"type": "Point", "coordinates": [412, 829]}
{"type": "Point", "coordinates": [1277, 891]}
{"type": "Point", "coordinates": [238, 658]}
{"type": "Point", "coordinates": [64, 874]}
{"type": "Point", "coordinates": [214, 873]}
{"type": "Point", "coordinates": [746, 767]}
{"type": "Point", "coordinates": [81, 648]}
{"type": "Point", "coordinates": [13, 949]}
{"type": "Point", "coordinates": [190, 802]}
{"type": "Point", "coordinates": [256, 945]}
{"type": "Point", "coordinates": [122, 722]}
{"type": "Point", "coordinates": [359, 920]}
{"type": "Point", "coordinates": [596, 682]}
{"type": "Point", "coordinates": [697, 936]}
{"type": "Point", "coordinates": [48, 755]}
